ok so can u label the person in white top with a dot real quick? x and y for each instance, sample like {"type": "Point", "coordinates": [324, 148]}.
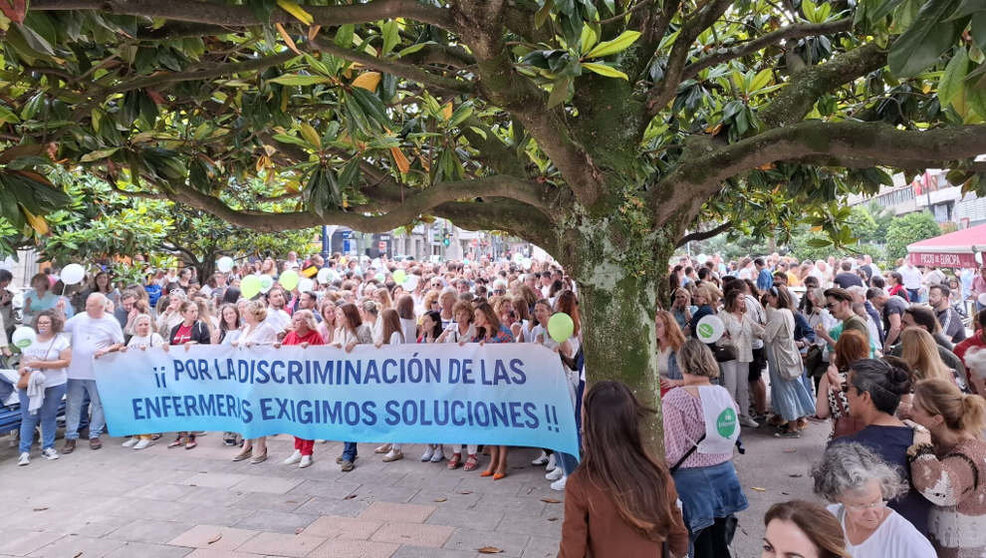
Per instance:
{"type": "Point", "coordinates": [392, 334]}
{"type": "Point", "coordinates": [93, 334]}
{"type": "Point", "coordinates": [859, 484]}
{"type": "Point", "coordinates": [49, 355]}
{"type": "Point", "coordinates": [256, 331]}
{"type": "Point", "coordinates": [277, 317]}
{"type": "Point", "coordinates": [144, 338]}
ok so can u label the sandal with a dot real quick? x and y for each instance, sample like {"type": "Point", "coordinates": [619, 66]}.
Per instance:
{"type": "Point", "coordinates": [453, 462]}
{"type": "Point", "coordinates": [191, 444]}
{"type": "Point", "coordinates": [471, 462]}
{"type": "Point", "coordinates": [176, 443]}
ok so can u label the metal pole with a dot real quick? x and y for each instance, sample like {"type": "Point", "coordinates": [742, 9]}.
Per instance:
{"type": "Point", "coordinates": [325, 242]}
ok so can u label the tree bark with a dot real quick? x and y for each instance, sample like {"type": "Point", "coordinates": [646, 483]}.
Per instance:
{"type": "Point", "coordinates": [620, 284]}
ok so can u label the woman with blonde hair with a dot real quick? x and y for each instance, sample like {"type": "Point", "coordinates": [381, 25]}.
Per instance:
{"type": "Point", "coordinates": [920, 352]}
{"type": "Point", "coordinates": [701, 451]}
{"type": "Point", "coordinates": [256, 331]}
{"type": "Point", "coordinates": [303, 334]}
{"type": "Point", "coordinates": [951, 471]}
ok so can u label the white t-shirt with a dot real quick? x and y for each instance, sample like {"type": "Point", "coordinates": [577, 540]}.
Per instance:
{"type": "Point", "coordinates": [278, 319]}
{"type": "Point", "coordinates": [88, 336]}
{"type": "Point", "coordinates": [261, 334]}
{"type": "Point", "coordinates": [48, 351]}
{"type": "Point", "coordinates": [911, 276]}
{"type": "Point", "coordinates": [410, 329]}
{"type": "Point", "coordinates": [894, 538]}
{"type": "Point", "coordinates": [152, 340]}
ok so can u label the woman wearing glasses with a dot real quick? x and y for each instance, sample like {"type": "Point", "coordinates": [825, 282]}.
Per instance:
{"type": "Point", "coordinates": [859, 484]}
{"type": "Point", "coordinates": [874, 389]}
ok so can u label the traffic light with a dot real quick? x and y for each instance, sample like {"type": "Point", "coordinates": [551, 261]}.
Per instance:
{"type": "Point", "coordinates": [447, 239]}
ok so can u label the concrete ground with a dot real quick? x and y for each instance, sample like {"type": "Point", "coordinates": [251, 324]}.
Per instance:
{"type": "Point", "coordinates": [163, 502]}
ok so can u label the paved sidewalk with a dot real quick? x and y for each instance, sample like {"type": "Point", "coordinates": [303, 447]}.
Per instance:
{"type": "Point", "coordinates": [163, 502]}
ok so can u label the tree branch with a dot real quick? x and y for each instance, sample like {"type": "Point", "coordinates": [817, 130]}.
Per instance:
{"type": "Point", "coordinates": [794, 102]}
{"type": "Point", "coordinates": [662, 93]}
{"type": "Point", "coordinates": [774, 37]}
{"type": "Point", "coordinates": [401, 69]}
{"type": "Point", "coordinates": [242, 16]}
{"type": "Point", "coordinates": [220, 70]}
{"type": "Point", "coordinates": [511, 216]}
{"type": "Point", "coordinates": [415, 205]}
{"type": "Point", "coordinates": [702, 235]}
{"type": "Point", "coordinates": [847, 144]}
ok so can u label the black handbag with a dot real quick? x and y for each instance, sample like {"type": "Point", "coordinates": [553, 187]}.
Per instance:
{"type": "Point", "coordinates": [724, 353]}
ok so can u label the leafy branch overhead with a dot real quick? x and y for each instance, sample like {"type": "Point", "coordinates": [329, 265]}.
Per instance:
{"type": "Point", "coordinates": [536, 116]}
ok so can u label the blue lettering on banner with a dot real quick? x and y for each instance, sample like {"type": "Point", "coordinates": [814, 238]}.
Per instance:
{"type": "Point", "coordinates": [504, 394]}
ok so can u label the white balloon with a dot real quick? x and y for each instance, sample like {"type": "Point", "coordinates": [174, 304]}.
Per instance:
{"type": "Point", "coordinates": [72, 274]}
{"type": "Point", "coordinates": [306, 285]}
{"type": "Point", "coordinates": [701, 259]}
{"type": "Point", "coordinates": [526, 263]}
{"type": "Point", "coordinates": [710, 329]}
{"type": "Point", "coordinates": [411, 282]}
{"type": "Point", "coordinates": [23, 337]}
{"type": "Point", "coordinates": [324, 275]}
{"type": "Point", "coordinates": [224, 264]}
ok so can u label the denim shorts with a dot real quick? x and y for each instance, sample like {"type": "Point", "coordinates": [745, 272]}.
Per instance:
{"type": "Point", "coordinates": [708, 493]}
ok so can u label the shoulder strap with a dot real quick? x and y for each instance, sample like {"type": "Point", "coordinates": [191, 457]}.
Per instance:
{"type": "Point", "coordinates": [688, 454]}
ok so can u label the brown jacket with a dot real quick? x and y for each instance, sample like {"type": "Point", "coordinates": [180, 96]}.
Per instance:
{"type": "Point", "coordinates": [593, 526]}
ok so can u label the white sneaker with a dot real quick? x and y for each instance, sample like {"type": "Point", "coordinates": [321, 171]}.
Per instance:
{"type": "Point", "coordinates": [427, 455]}
{"type": "Point", "coordinates": [50, 454]}
{"type": "Point", "coordinates": [24, 459]}
{"type": "Point", "coordinates": [306, 461]}
{"type": "Point", "coordinates": [438, 456]}
{"type": "Point", "coordinates": [555, 474]}
{"type": "Point", "coordinates": [541, 459]}
{"type": "Point", "coordinates": [142, 444]}
{"type": "Point", "coordinates": [747, 421]}
{"type": "Point", "coordinates": [560, 483]}
{"type": "Point", "coordinates": [131, 442]}
{"type": "Point", "coordinates": [551, 462]}
{"type": "Point", "coordinates": [293, 458]}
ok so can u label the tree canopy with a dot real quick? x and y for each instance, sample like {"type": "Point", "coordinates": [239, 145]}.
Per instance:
{"type": "Point", "coordinates": [602, 130]}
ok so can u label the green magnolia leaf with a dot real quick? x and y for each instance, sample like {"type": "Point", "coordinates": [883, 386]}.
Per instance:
{"type": "Point", "coordinates": [604, 70]}
{"type": "Point", "coordinates": [968, 7]}
{"type": "Point", "coordinates": [299, 79]}
{"type": "Point", "coordinates": [618, 44]}
{"type": "Point", "coordinates": [925, 40]}
{"type": "Point", "coordinates": [559, 92]}
{"type": "Point", "coordinates": [391, 36]}
{"type": "Point", "coordinates": [955, 72]}
{"type": "Point", "coordinates": [761, 80]}
{"type": "Point", "coordinates": [97, 155]}
{"type": "Point", "coordinates": [7, 115]}
{"type": "Point", "coordinates": [461, 113]}
{"type": "Point", "coordinates": [977, 29]}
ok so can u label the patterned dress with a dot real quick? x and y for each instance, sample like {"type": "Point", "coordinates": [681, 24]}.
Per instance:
{"type": "Point", "coordinates": [955, 482]}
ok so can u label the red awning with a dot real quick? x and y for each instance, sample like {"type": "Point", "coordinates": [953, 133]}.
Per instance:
{"type": "Point", "coordinates": [957, 249]}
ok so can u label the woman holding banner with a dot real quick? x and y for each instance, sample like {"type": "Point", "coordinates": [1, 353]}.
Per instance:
{"type": "Point", "coordinates": [351, 331]}
{"type": "Point", "coordinates": [190, 331]}
{"type": "Point", "coordinates": [460, 331]}
{"type": "Point", "coordinates": [304, 334]}
{"type": "Point", "coordinates": [431, 330]}
{"type": "Point", "coordinates": [392, 334]}
{"type": "Point", "coordinates": [256, 331]}
{"type": "Point", "coordinates": [489, 330]}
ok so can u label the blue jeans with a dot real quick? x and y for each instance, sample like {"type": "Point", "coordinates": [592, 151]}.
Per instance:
{"type": "Point", "coordinates": [46, 415]}
{"type": "Point", "coordinates": [73, 409]}
{"type": "Point", "coordinates": [349, 451]}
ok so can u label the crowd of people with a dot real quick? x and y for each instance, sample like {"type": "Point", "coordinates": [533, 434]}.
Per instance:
{"type": "Point", "coordinates": [885, 357]}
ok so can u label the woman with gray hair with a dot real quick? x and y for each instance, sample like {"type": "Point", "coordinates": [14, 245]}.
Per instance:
{"type": "Point", "coordinates": [858, 484]}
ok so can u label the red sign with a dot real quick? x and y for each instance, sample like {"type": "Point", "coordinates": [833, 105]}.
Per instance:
{"type": "Point", "coordinates": [943, 260]}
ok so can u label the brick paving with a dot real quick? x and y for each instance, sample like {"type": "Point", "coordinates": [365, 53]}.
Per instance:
{"type": "Point", "coordinates": [162, 502]}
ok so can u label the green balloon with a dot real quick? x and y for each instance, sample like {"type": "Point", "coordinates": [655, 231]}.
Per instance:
{"type": "Point", "coordinates": [399, 276]}
{"type": "Point", "coordinates": [380, 277]}
{"type": "Point", "coordinates": [250, 286]}
{"type": "Point", "coordinates": [289, 279]}
{"type": "Point", "coordinates": [560, 327]}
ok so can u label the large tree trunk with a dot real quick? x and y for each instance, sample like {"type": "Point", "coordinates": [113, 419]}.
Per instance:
{"type": "Point", "coordinates": [619, 284]}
